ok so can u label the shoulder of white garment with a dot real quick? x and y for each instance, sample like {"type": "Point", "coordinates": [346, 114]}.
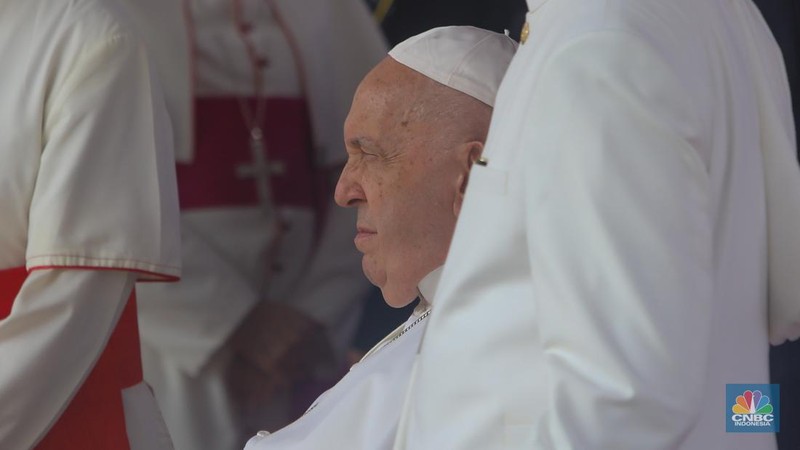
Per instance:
{"type": "Point", "coordinates": [162, 26]}
{"type": "Point", "coordinates": [105, 195]}
{"type": "Point", "coordinates": [361, 411]}
{"type": "Point", "coordinates": [432, 400]}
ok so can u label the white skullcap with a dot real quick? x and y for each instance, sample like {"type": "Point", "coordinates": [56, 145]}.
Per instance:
{"type": "Point", "coordinates": [468, 59]}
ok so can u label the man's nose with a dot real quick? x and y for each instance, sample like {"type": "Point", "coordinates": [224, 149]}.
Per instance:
{"type": "Point", "coordinates": [348, 192]}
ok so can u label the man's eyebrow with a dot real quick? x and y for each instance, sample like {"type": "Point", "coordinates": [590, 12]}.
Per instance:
{"type": "Point", "coordinates": [362, 143]}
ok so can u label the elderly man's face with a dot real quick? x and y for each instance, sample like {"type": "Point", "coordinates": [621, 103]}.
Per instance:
{"type": "Point", "coordinates": [405, 186]}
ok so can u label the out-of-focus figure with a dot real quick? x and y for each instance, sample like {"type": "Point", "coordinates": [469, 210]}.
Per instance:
{"type": "Point", "coordinates": [88, 206]}
{"type": "Point", "coordinates": [258, 91]}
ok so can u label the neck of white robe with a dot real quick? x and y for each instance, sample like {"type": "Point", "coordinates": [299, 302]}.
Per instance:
{"type": "Point", "coordinates": [427, 289]}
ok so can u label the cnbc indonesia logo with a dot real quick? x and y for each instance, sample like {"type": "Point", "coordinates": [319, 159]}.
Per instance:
{"type": "Point", "coordinates": [752, 410]}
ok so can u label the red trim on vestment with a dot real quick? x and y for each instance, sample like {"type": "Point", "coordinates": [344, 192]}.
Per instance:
{"type": "Point", "coordinates": [94, 419]}
{"type": "Point", "coordinates": [151, 276]}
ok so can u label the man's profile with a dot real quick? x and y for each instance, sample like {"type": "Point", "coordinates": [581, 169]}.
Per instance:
{"type": "Point", "coordinates": [417, 124]}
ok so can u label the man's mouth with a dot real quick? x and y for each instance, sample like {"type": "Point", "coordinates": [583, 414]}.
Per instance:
{"type": "Point", "coordinates": [363, 234]}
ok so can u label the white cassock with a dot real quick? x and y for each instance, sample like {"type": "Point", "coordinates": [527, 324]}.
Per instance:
{"type": "Point", "coordinates": [363, 410]}
{"type": "Point", "coordinates": [609, 271]}
{"type": "Point", "coordinates": [88, 205]}
{"type": "Point", "coordinates": [317, 52]}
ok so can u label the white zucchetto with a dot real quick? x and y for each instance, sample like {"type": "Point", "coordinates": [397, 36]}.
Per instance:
{"type": "Point", "coordinates": [467, 59]}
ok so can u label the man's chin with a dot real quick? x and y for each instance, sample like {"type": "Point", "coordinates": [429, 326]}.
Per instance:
{"type": "Point", "coordinates": [398, 298]}
{"type": "Point", "coordinates": [370, 272]}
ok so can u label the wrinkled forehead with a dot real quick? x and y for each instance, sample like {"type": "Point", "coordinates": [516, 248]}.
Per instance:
{"type": "Point", "coordinates": [389, 97]}
{"type": "Point", "coordinates": [392, 86]}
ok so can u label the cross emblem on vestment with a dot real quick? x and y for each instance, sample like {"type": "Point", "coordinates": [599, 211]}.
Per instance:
{"type": "Point", "coordinates": [261, 170]}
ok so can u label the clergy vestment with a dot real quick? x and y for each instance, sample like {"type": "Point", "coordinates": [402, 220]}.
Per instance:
{"type": "Point", "coordinates": [88, 205]}
{"type": "Point", "coordinates": [363, 410]}
{"type": "Point", "coordinates": [782, 18]}
{"type": "Point", "coordinates": [240, 246]}
{"type": "Point", "coordinates": [611, 266]}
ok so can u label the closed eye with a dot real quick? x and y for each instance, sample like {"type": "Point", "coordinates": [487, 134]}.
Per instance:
{"type": "Point", "coordinates": [361, 144]}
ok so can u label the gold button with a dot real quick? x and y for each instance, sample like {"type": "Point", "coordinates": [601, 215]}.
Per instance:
{"type": "Point", "coordinates": [523, 36]}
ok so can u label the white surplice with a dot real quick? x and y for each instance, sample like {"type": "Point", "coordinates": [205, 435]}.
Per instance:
{"type": "Point", "coordinates": [87, 200]}
{"type": "Point", "coordinates": [608, 275]}
{"type": "Point", "coordinates": [363, 410]}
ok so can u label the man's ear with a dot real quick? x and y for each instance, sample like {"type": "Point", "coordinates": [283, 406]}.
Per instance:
{"type": "Point", "coordinates": [468, 154]}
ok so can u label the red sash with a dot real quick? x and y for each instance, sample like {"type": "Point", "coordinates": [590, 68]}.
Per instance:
{"type": "Point", "coordinates": [94, 419]}
{"type": "Point", "coordinates": [222, 146]}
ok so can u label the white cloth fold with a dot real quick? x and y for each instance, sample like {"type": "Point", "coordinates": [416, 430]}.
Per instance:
{"type": "Point", "coordinates": [146, 429]}
{"type": "Point", "coordinates": [362, 411]}
{"type": "Point", "coordinates": [782, 188]}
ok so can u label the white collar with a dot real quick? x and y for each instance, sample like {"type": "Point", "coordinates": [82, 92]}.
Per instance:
{"type": "Point", "coordinates": [427, 286]}
{"type": "Point", "coordinates": [426, 290]}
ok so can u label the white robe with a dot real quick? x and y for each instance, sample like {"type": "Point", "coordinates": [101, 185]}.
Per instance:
{"type": "Point", "coordinates": [86, 182]}
{"type": "Point", "coordinates": [363, 410]}
{"type": "Point", "coordinates": [608, 273]}
{"type": "Point", "coordinates": [184, 326]}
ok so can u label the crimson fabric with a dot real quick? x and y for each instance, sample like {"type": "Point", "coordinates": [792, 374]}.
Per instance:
{"type": "Point", "coordinates": [222, 144]}
{"type": "Point", "coordinates": [94, 419]}
{"type": "Point", "coordinates": [10, 282]}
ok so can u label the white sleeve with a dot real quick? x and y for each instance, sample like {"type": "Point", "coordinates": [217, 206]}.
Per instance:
{"type": "Point", "coordinates": [621, 248]}
{"type": "Point", "coordinates": [105, 193]}
{"type": "Point", "coordinates": [59, 325]}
